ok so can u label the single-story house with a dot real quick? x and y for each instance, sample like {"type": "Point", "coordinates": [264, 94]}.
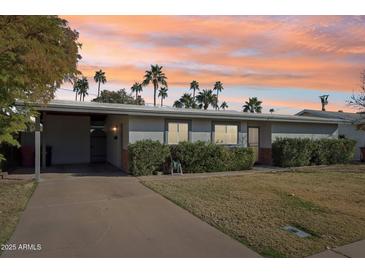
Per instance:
{"type": "Point", "coordinates": [352, 129]}
{"type": "Point", "coordinates": [86, 132]}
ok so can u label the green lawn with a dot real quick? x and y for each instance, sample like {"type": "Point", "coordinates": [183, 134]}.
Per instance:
{"type": "Point", "coordinates": [13, 200]}
{"type": "Point", "coordinates": [328, 202]}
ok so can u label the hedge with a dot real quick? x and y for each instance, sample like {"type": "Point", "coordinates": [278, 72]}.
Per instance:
{"type": "Point", "coordinates": [293, 152]}
{"type": "Point", "coordinates": [147, 157]}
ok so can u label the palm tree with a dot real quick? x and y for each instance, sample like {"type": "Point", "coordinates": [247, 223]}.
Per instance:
{"type": "Point", "coordinates": [99, 78]}
{"type": "Point", "coordinates": [81, 86]}
{"type": "Point", "coordinates": [186, 100]}
{"type": "Point", "coordinates": [73, 80]}
{"type": "Point", "coordinates": [194, 85]}
{"type": "Point", "coordinates": [75, 89]}
{"type": "Point", "coordinates": [218, 87]}
{"type": "Point", "coordinates": [224, 105]}
{"type": "Point", "coordinates": [272, 110]}
{"type": "Point", "coordinates": [206, 98]}
{"type": "Point", "coordinates": [137, 88]}
{"type": "Point", "coordinates": [163, 94]}
{"type": "Point", "coordinates": [156, 77]}
{"type": "Point", "coordinates": [177, 104]}
{"type": "Point", "coordinates": [253, 105]}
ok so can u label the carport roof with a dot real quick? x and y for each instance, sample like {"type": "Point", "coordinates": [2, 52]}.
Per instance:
{"type": "Point", "coordinates": [62, 106]}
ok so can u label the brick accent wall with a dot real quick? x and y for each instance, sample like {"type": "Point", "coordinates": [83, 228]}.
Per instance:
{"type": "Point", "coordinates": [125, 160]}
{"type": "Point", "coordinates": [265, 156]}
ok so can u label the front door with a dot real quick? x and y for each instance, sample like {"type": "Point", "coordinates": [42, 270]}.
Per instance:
{"type": "Point", "coordinates": [254, 141]}
{"type": "Point", "coordinates": [97, 146]}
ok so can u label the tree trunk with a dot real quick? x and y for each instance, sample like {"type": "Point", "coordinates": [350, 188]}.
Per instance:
{"type": "Point", "coordinates": [161, 102]}
{"type": "Point", "coordinates": [98, 89]}
{"type": "Point", "coordinates": [216, 107]}
{"type": "Point", "coordinates": [75, 95]}
{"type": "Point", "coordinates": [154, 94]}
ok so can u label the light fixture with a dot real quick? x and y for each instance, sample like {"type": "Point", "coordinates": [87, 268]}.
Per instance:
{"type": "Point", "coordinates": [114, 129]}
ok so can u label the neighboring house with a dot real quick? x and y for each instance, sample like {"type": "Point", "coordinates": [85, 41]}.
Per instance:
{"type": "Point", "coordinates": [84, 132]}
{"type": "Point", "coordinates": [350, 129]}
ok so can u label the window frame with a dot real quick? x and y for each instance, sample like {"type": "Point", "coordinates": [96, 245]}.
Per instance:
{"type": "Point", "coordinates": [226, 123]}
{"type": "Point", "coordinates": [167, 121]}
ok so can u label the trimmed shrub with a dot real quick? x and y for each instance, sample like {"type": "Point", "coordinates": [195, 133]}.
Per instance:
{"type": "Point", "coordinates": [147, 157]}
{"type": "Point", "coordinates": [293, 152]}
{"type": "Point", "coordinates": [240, 158]}
{"type": "Point", "coordinates": [199, 156]}
{"type": "Point", "coordinates": [333, 151]}
{"type": "Point", "coordinates": [207, 157]}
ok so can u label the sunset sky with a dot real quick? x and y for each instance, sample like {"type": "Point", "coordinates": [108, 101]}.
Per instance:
{"type": "Point", "coordinates": [285, 61]}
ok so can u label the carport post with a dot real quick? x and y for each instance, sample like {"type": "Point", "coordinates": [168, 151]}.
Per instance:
{"type": "Point", "coordinates": [37, 149]}
{"type": "Point", "coordinates": [43, 140]}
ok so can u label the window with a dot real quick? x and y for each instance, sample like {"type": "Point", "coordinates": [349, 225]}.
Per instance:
{"type": "Point", "coordinates": [226, 134]}
{"type": "Point", "coordinates": [177, 132]}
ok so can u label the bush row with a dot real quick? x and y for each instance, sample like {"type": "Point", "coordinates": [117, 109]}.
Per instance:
{"type": "Point", "coordinates": [147, 157]}
{"type": "Point", "coordinates": [293, 152]}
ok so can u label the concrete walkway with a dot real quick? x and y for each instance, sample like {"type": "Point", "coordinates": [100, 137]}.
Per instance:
{"type": "Point", "coordinates": [108, 215]}
{"type": "Point", "coordinates": [354, 250]}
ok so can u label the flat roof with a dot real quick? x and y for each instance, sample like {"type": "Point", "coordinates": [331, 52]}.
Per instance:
{"type": "Point", "coordinates": [347, 116]}
{"type": "Point", "coordinates": [63, 106]}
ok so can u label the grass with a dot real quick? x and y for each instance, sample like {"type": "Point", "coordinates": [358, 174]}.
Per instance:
{"type": "Point", "coordinates": [328, 202]}
{"type": "Point", "coordinates": [13, 200]}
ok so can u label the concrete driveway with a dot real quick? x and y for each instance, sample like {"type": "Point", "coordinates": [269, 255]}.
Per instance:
{"type": "Point", "coordinates": [106, 214]}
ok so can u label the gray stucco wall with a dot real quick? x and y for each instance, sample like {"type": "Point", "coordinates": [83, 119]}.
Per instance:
{"type": "Point", "coordinates": [142, 128]}
{"type": "Point", "coordinates": [201, 130]}
{"type": "Point", "coordinates": [351, 132]}
{"type": "Point", "coordinates": [69, 137]}
{"type": "Point", "coordinates": [153, 128]}
{"type": "Point", "coordinates": [303, 130]}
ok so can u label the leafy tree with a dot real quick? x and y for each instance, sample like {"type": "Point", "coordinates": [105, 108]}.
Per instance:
{"type": "Point", "coordinates": [206, 98]}
{"type": "Point", "coordinates": [218, 87]}
{"type": "Point", "coordinates": [194, 85]}
{"type": "Point", "coordinates": [163, 94]}
{"type": "Point", "coordinates": [224, 105]}
{"type": "Point", "coordinates": [272, 110]}
{"type": "Point", "coordinates": [118, 97]}
{"type": "Point", "coordinates": [358, 101]}
{"type": "Point", "coordinates": [186, 101]}
{"type": "Point", "coordinates": [253, 105]}
{"type": "Point", "coordinates": [99, 78]}
{"type": "Point", "coordinates": [81, 86]}
{"type": "Point", "coordinates": [37, 54]}
{"type": "Point", "coordinates": [137, 88]}
{"type": "Point", "coordinates": [157, 77]}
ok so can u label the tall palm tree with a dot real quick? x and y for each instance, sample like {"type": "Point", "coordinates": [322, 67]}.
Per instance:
{"type": "Point", "coordinates": [137, 88]}
{"type": "Point", "coordinates": [253, 105]}
{"type": "Point", "coordinates": [155, 76]}
{"type": "Point", "coordinates": [194, 85]}
{"type": "Point", "coordinates": [206, 98]}
{"type": "Point", "coordinates": [163, 94]}
{"type": "Point", "coordinates": [81, 86]}
{"type": "Point", "coordinates": [218, 87]}
{"type": "Point", "coordinates": [99, 78]}
{"type": "Point", "coordinates": [224, 105]}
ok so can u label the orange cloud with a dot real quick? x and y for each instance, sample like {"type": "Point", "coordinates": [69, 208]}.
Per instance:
{"type": "Point", "coordinates": [324, 53]}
